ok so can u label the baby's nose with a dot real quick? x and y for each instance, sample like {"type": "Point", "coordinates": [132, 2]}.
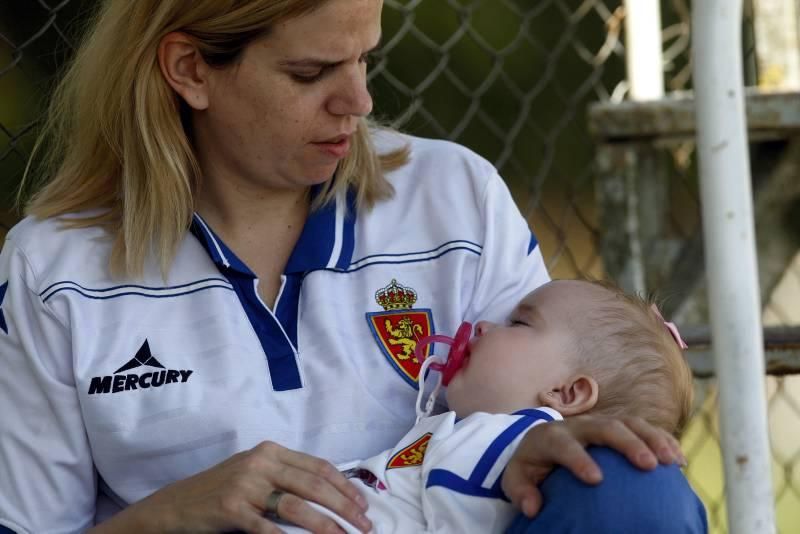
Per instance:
{"type": "Point", "coordinates": [483, 327]}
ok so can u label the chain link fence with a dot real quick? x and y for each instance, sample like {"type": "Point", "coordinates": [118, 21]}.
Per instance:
{"type": "Point", "coordinates": [512, 80]}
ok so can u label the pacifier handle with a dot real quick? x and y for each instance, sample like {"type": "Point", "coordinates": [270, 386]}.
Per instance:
{"type": "Point", "coordinates": [459, 348]}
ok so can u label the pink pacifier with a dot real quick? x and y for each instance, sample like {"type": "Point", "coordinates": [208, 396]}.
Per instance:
{"type": "Point", "coordinates": [459, 350]}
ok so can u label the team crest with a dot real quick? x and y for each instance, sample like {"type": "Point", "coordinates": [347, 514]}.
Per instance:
{"type": "Point", "coordinates": [399, 328]}
{"type": "Point", "coordinates": [411, 455]}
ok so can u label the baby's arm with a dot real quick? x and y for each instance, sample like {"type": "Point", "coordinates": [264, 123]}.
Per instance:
{"type": "Point", "coordinates": [462, 472]}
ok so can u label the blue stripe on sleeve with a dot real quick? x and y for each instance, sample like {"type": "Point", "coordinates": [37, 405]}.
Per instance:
{"type": "Point", "coordinates": [474, 485]}
{"type": "Point", "coordinates": [497, 447]}
{"type": "Point", "coordinates": [451, 481]}
{"type": "Point", "coordinates": [535, 413]}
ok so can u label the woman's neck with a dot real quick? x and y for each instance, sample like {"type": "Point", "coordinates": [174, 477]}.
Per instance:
{"type": "Point", "coordinates": [237, 213]}
{"type": "Point", "coordinates": [261, 228]}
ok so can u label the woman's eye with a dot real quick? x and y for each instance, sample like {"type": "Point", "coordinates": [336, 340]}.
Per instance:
{"type": "Point", "coordinates": [311, 77]}
{"type": "Point", "coordinates": [307, 77]}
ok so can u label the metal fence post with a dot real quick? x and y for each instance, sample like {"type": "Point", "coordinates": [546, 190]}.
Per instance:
{"type": "Point", "coordinates": [729, 232]}
{"type": "Point", "coordinates": [639, 165]}
{"type": "Point", "coordinates": [643, 50]}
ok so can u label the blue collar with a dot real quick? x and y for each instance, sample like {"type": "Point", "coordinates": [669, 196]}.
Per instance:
{"type": "Point", "coordinates": [326, 242]}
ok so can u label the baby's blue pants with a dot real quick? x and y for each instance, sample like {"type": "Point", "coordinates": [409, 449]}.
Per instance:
{"type": "Point", "coordinates": [628, 501]}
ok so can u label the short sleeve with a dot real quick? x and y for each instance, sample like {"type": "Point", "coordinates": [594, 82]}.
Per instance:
{"type": "Point", "coordinates": [511, 262]}
{"type": "Point", "coordinates": [462, 473]}
{"type": "Point", "coordinates": [47, 479]}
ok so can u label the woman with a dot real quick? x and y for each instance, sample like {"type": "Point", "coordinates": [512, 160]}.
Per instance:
{"type": "Point", "coordinates": [222, 281]}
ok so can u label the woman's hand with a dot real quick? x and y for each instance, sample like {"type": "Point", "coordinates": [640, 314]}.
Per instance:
{"type": "Point", "coordinates": [563, 443]}
{"type": "Point", "coordinates": [233, 495]}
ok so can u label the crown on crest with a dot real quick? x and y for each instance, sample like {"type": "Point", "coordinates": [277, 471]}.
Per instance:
{"type": "Point", "coordinates": [395, 297]}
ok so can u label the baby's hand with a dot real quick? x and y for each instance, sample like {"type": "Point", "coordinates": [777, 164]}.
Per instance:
{"type": "Point", "coordinates": [563, 443]}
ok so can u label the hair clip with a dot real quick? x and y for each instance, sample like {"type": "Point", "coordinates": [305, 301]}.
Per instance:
{"type": "Point", "coordinates": [671, 327]}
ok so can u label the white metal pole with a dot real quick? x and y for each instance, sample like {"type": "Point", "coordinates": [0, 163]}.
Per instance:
{"type": "Point", "coordinates": [643, 49]}
{"type": "Point", "coordinates": [731, 266]}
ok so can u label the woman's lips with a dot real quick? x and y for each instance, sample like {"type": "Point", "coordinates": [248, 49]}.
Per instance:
{"type": "Point", "coordinates": [338, 147]}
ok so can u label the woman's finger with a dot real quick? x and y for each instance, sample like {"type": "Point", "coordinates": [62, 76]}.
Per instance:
{"type": "Point", "coordinates": [660, 442]}
{"type": "Point", "coordinates": [617, 435]}
{"type": "Point", "coordinates": [250, 519]}
{"type": "Point", "coordinates": [519, 486]}
{"type": "Point", "coordinates": [300, 485]}
{"type": "Point", "coordinates": [293, 509]}
{"type": "Point", "coordinates": [676, 448]}
{"type": "Point", "coordinates": [543, 448]}
{"type": "Point", "coordinates": [325, 470]}
{"type": "Point", "coordinates": [563, 445]}
{"type": "Point", "coordinates": [253, 523]}
{"type": "Point", "coordinates": [270, 466]}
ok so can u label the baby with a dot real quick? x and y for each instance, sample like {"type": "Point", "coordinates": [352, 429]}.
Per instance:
{"type": "Point", "coordinates": [570, 347]}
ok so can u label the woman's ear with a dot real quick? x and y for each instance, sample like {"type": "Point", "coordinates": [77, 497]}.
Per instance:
{"type": "Point", "coordinates": [184, 69]}
{"type": "Point", "coordinates": [578, 395]}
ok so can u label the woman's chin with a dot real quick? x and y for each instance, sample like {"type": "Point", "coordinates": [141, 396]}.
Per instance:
{"type": "Point", "coordinates": [320, 172]}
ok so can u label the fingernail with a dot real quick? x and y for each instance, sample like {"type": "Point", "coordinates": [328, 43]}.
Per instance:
{"type": "Point", "coordinates": [365, 523]}
{"type": "Point", "coordinates": [683, 461]}
{"type": "Point", "coordinates": [593, 474]}
{"type": "Point", "coordinates": [646, 458]}
{"type": "Point", "coordinates": [361, 501]}
{"type": "Point", "coordinates": [527, 507]}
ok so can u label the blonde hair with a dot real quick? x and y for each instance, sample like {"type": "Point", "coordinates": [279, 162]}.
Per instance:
{"type": "Point", "coordinates": [118, 140]}
{"type": "Point", "coordinates": [639, 367]}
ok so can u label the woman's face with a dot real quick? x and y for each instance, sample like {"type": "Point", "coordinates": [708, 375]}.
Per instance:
{"type": "Point", "coordinates": [282, 117]}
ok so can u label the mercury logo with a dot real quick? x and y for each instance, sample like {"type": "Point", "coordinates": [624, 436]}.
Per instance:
{"type": "Point", "coordinates": [122, 381]}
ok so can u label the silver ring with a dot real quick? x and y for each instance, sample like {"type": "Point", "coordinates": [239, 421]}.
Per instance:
{"type": "Point", "coordinates": [273, 500]}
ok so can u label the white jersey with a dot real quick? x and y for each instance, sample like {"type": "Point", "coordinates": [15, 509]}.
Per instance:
{"type": "Point", "coordinates": [444, 475]}
{"type": "Point", "coordinates": [124, 386]}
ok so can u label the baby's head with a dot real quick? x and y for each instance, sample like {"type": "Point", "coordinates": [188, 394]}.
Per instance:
{"type": "Point", "coordinates": [577, 346]}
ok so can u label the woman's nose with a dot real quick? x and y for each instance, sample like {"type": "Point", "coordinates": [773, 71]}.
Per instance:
{"type": "Point", "coordinates": [483, 327]}
{"type": "Point", "coordinates": [353, 97]}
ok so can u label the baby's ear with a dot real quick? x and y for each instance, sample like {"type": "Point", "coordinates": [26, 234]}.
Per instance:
{"type": "Point", "coordinates": [576, 396]}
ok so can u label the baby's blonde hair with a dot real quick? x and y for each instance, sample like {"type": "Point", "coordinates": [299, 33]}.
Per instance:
{"type": "Point", "coordinates": [639, 367]}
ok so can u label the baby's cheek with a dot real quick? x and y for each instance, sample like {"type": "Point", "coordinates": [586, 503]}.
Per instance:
{"type": "Point", "coordinates": [455, 391]}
